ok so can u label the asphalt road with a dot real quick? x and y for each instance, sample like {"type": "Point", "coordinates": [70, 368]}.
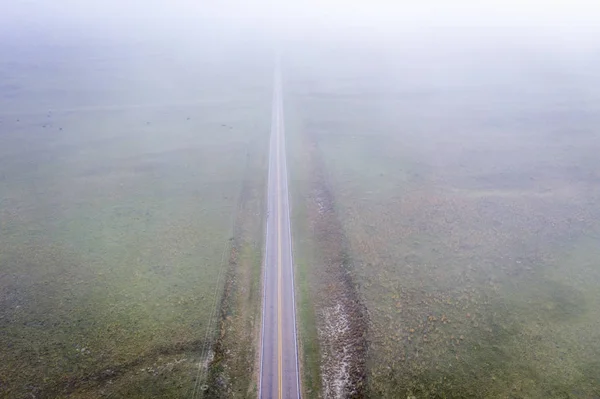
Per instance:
{"type": "Point", "coordinates": [279, 376]}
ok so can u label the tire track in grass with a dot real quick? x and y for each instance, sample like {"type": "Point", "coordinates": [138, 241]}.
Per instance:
{"type": "Point", "coordinates": [201, 375]}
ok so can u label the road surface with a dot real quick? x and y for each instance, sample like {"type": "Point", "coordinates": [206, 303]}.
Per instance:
{"type": "Point", "coordinates": [279, 376]}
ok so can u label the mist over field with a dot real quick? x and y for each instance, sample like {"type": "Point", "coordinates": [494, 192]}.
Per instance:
{"type": "Point", "coordinates": [444, 180]}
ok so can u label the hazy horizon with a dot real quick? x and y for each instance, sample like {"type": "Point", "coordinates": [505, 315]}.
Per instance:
{"type": "Point", "coordinates": [444, 186]}
{"type": "Point", "coordinates": [557, 20]}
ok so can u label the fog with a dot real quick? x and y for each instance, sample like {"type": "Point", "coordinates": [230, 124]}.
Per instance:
{"type": "Point", "coordinates": [573, 19]}
{"type": "Point", "coordinates": [448, 151]}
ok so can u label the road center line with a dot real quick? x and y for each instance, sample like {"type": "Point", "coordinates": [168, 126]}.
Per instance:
{"type": "Point", "coordinates": [279, 271]}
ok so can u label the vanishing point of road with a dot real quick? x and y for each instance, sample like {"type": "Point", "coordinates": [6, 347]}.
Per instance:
{"type": "Point", "coordinates": [279, 375]}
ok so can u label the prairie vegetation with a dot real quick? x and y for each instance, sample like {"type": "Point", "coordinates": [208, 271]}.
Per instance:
{"type": "Point", "coordinates": [466, 184]}
{"type": "Point", "coordinates": [125, 173]}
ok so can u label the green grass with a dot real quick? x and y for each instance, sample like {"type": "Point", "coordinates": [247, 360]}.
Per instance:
{"type": "Point", "coordinates": [233, 370]}
{"type": "Point", "coordinates": [305, 260]}
{"type": "Point", "coordinates": [468, 216]}
{"type": "Point", "coordinates": [306, 319]}
{"type": "Point", "coordinates": [116, 211]}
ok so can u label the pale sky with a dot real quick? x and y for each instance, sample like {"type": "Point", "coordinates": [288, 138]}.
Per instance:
{"type": "Point", "coordinates": [303, 14]}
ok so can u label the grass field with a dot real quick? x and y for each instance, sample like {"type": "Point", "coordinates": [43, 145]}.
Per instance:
{"type": "Point", "coordinates": [444, 202]}
{"type": "Point", "coordinates": [465, 180]}
{"type": "Point", "coordinates": [123, 168]}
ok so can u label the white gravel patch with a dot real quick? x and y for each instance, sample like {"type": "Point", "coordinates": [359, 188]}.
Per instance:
{"type": "Point", "coordinates": [336, 358]}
